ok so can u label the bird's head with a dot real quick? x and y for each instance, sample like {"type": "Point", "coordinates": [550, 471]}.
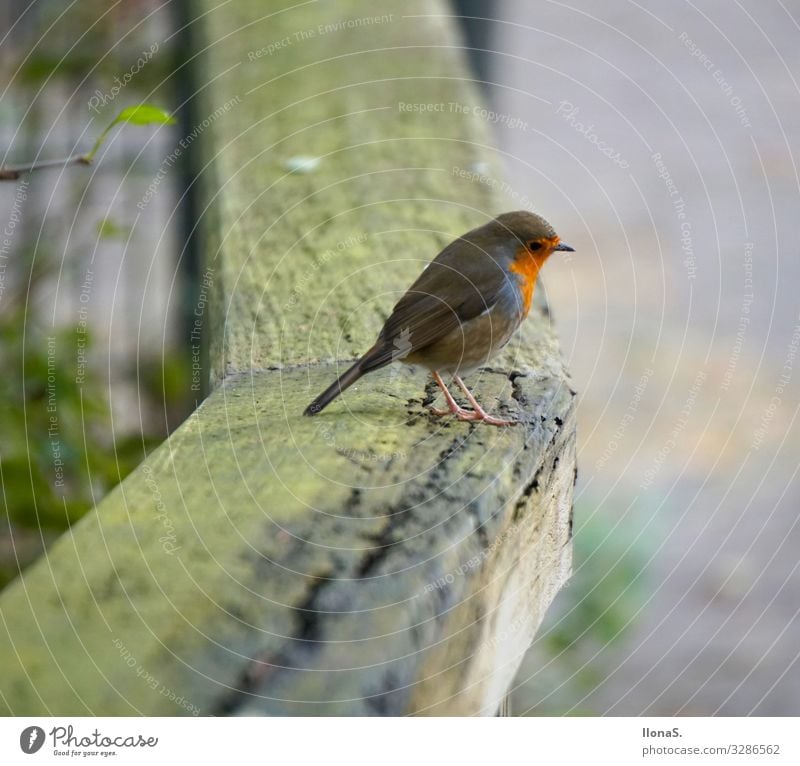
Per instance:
{"type": "Point", "coordinates": [531, 235]}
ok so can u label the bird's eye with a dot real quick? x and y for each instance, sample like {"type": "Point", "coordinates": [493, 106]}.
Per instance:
{"type": "Point", "coordinates": [534, 245]}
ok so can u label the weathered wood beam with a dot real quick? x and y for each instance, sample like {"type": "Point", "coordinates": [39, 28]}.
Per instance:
{"type": "Point", "coordinates": [371, 560]}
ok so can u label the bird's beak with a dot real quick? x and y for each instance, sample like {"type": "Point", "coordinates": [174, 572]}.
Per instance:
{"type": "Point", "coordinates": [566, 248]}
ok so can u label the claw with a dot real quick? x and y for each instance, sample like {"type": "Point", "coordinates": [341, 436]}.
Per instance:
{"type": "Point", "coordinates": [476, 414]}
{"type": "Point", "coordinates": [482, 414]}
{"type": "Point", "coordinates": [458, 411]}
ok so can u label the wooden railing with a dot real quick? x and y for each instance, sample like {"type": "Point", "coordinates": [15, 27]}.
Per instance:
{"type": "Point", "coordinates": [371, 560]}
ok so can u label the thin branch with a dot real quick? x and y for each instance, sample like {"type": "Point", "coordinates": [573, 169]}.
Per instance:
{"type": "Point", "coordinates": [13, 174]}
{"type": "Point", "coordinates": [141, 114]}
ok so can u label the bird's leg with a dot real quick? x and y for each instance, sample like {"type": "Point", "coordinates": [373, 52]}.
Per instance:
{"type": "Point", "coordinates": [452, 404]}
{"type": "Point", "coordinates": [480, 413]}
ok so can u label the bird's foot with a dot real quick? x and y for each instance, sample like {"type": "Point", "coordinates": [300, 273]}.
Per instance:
{"type": "Point", "coordinates": [493, 421]}
{"type": "Point", "coordinates": [472, 416]}
{"type": "Point", "coordinates": [459, 412]}
{"type": "Point", "coordinates": [476, 414]}
{"type": "Point", "coordinates": [479, 412]}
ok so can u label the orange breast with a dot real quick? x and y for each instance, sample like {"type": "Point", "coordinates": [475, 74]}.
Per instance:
{"type": "Point", "coordinates": [528, 268]}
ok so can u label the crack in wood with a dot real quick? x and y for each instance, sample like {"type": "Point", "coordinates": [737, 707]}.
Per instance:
{"type": "Point", "coordinates": [259, 668]}
{"type": "Point", "coordinates": [309, 618]}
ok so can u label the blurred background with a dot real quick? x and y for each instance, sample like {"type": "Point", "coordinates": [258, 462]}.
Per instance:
{"type": "Point", "coordinates": [95, 266]}
{"type": "Point", "coordinates": [660, 139]}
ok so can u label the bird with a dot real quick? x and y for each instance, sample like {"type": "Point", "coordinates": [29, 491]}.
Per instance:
{"type": "Point", "coordinates": [462, 309]}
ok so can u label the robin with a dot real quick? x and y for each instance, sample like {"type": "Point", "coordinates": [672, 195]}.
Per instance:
{"type": "Point", "coordinates": [463, 308]}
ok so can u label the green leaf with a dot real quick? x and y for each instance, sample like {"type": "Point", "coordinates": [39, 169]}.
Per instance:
{"type": "Point", "coordinates": [141, 114]}
{"type": "Point", "coordinates": [109, 229]}
{"type": "Point", "coordinates": [144, 114]}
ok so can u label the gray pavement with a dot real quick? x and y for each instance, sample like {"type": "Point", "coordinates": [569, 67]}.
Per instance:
{"type": "Point", "coordinates": [661, 141]}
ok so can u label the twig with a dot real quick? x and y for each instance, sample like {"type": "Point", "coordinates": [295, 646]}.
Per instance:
{"type": "Point", "coordinates": [141, 114]}
{"type": "Point", "coordinates": [12, 174]}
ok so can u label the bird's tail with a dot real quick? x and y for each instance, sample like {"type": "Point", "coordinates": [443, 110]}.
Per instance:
{"type": "Point", "coordinates": [372, 360]}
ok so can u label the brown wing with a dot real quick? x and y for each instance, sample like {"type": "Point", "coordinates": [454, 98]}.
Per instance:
{"type": "Point", "coordinates": [459, 285]}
